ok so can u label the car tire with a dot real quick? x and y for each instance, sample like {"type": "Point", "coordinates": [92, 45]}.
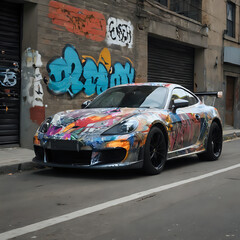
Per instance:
{"type": "Point", "coordinates": [155, 152]}
{"type": "Point", "coordinates": [214, 144]}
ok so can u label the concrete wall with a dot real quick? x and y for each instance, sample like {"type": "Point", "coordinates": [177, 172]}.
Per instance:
{"type": "Point", "coordinates": [79, 38]}
{"type": "Point", "coordinates": [214, 17]}
{"type": "Point", "coordinates": [29, 41]}
{"type": "Point", "coordinates": [156, 20]}
{"type": "Point", "coordinates": [86, 43]}
{"type": "Point", "coordinates": [65, 40]}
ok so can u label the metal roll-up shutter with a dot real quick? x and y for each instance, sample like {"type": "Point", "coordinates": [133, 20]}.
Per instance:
{"type": "Point", "coordinates": [170, 62]}
{"type": "Point", "coordinates": [10, 19]}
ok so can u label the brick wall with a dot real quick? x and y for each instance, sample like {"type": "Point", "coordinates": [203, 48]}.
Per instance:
{"type": "Point", "coordinates": [86, 27]}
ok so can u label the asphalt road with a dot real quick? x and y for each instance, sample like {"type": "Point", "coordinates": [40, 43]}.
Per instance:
{"type": "Point", "coordinates": [205, 206]}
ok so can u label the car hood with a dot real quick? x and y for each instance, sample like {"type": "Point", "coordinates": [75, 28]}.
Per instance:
{"type": "Point", "coordinates": [75, 123]}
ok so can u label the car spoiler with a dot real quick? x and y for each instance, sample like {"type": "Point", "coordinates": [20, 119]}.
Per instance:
{"type": "Point", "coordinates": [211, 94]}
{"type": "Point", "coordinates": [214, 94]}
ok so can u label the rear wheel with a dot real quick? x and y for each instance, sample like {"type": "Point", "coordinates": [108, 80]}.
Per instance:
{"type": "Point", "coordinates": [214, 145]}
{"type": "Point", "coordinates": [155, 152]}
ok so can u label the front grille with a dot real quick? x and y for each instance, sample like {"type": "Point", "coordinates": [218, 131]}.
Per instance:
{"type": "Point", "coordinates": [83, 157]}
{"type": "Point", "coordinates": [69, 157]}
{"type": "Point", "coordinates": [115, 155]}
{"type": "Point", "coordinates": [68, 145]}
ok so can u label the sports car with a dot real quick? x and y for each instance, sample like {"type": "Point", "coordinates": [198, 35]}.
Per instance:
{"type": "Point", "coordinates": [131, 126]}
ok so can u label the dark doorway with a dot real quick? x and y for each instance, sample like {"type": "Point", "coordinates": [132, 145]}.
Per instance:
{"type": "Point", "coordinates": [229, 112]}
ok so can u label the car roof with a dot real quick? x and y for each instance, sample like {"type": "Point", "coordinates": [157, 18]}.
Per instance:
{"type": "Point", "coordinates": [170, 86]}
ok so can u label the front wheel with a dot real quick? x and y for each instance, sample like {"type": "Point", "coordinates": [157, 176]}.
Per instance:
{"type": "Point", "coordinates": [214, 144]}
{"type": "Point", "coordinates": [155, 152]}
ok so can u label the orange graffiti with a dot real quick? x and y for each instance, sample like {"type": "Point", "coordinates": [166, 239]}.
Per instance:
{"type": "Point", "coordinates": [36, 141]}
{"type": "Point", "coordinates": [120, 143]}
{"type": "Point", "coordinates": [93, 119]}
{"type": "Point", "coordinates": [82, 22]}
{"type": "Point", "coordinates": [71, 125]}
{"type": "Point", "coordinates": [104, 58]}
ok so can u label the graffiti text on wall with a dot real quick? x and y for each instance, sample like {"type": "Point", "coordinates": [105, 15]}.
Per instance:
{"type": "Point", "coordinates": [69, 74]}
{"type": "Point", "coordinates": [32, 88]}
{"type": "Point", "coordinates": [8, 79]}
{"type": "Point", "coordinates": [82, 22]}
{"type": "Point", "coordinates": [119, 32]}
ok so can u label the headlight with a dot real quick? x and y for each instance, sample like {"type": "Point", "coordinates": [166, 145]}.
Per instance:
{"type": "Point", "coordinates": [45, 125]}
{"type": "Point", "coordinates": [122, 128]}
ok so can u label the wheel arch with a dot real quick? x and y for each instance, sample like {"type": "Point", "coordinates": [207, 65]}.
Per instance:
{"type": "Point", "coordinates": [210, 153]}
{"type": "Point", "coordinates": [163, 129]}
{"type": "Point", "coordinates": [218, 121]}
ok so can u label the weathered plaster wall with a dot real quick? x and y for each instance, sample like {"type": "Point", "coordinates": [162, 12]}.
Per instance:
{"type": "Point", "coordinates": [82, 48]}
{"type": "Point", "coordinates": [160, 22]}
{"type": "Point", "coordinates": [87, 46]}
{"type": "Point", "coordinates": [98, 39]}
{"type": "Point", "coordinates": [28, 78]}
{"type": "Point", "coordinates": [214, 17]}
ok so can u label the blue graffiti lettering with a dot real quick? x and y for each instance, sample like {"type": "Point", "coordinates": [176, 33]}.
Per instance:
{"type": "Point", "coordinates": [69, 74]}
{"type": "Point", "coordinates": [65, 72]}
{"type": "Point", "coordinates": [96, 77]}
{"type": "Point", "coordinates": [122, 75]}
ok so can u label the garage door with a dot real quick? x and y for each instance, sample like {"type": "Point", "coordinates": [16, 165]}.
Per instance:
{"type": "Point", "coordinates": [170, 62]}
{"type": "Point", "coordinates": [9, 72]}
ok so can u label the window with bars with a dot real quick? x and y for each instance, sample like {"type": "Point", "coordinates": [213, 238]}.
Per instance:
{"type": "Point", "coordinates": [188, 8]}
{"type": "Point", "coordinates": [163, 2]}
{"type": "Point", "coordinates": [231, 19]}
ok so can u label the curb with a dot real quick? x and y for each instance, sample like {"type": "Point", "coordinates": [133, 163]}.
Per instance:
{"type": "Point", "coordinates": [230, 136]}
{"type": "Point", "coordinates": [19, 167]}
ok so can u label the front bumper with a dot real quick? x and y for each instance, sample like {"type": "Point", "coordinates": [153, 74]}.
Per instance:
{"type": "Point", "coordinates": [75, 154]}
{"type": "Point", "coordinates": [132, 165]}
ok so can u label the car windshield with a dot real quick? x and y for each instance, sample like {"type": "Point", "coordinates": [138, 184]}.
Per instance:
{"type": "Point", "coordinates": [131, 97]}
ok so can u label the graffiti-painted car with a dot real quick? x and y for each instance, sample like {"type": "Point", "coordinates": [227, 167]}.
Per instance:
{"type": "Point", "coordinates": [131, 126]}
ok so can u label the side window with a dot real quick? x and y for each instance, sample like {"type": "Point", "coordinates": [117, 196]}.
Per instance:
{"type": "Point", "coordinates": [179, 93]}
{"type": "Point", "coordinates": [192, 100]}
{"type": "Point", "coordinates": [231, 19]}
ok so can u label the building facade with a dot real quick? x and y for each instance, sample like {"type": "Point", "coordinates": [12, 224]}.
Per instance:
{"type": "Point", "coordinates": [56, 54]}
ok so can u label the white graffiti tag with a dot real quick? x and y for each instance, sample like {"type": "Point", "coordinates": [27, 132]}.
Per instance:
{"type": "Point", "coordinates": [32, 77]}
{"type": "Point", "coordinates": [119, 32]}
{"type": "Point", "coordinates": [9, 80]}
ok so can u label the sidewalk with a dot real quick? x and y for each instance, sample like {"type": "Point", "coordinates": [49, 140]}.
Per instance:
{"type": "Point", "coordinates": [15, 159]}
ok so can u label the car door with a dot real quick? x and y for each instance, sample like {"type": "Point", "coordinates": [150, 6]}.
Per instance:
{"type": "Point", "coordinates": [185, 122]}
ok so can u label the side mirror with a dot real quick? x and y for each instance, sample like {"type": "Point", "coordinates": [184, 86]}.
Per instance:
{"type": "Point", "coordinates": [86, 103]}
{"type": "Point", "coordinates": [180, 103]}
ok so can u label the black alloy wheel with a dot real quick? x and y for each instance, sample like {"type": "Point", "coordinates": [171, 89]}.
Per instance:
{"type": "Point", "coordinates": [214, 144]}
{"type": "Point", "coordinates": [216, 141]}
{"type": "Point", "coordinates": [155, 152]}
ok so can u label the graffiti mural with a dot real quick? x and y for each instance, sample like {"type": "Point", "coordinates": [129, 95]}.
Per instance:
{"type": "Point", "coordinates": [82, 22]}
{"type": "Point", "coordinates": [119, 32]}
{"type": "Point", "coordinates": [71, 74]}
{"type": "Point", "coordinates": [8, 78]}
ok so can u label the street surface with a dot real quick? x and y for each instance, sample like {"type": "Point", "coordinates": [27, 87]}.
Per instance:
{"type": "Point", "coordinates": [205, 206]}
